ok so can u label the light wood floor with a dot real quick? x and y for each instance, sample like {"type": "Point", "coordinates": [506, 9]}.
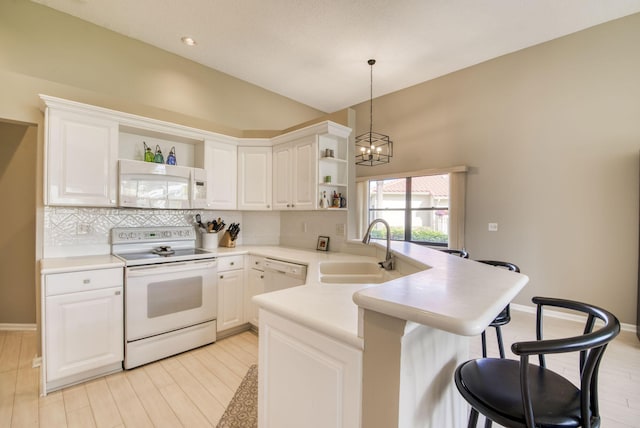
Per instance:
{"type": "Point", "coordinates": [193, 389]}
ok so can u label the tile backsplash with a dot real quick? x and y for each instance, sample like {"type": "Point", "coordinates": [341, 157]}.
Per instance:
{"type": "Point", "coordinates": [73, 231]}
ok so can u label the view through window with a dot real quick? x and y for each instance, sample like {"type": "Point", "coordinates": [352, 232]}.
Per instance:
{"type": "Point", "coordinates": [416, 208]}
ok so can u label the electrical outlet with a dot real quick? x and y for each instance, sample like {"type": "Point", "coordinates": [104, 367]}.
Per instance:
{"type": "Point", "coordinates": [340, 229]}
{"type": "Point", "coordinates": [493, 227]}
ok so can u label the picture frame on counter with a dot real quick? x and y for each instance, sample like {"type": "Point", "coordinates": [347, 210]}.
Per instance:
{"type": "Point", "coordinates": [323, 243]}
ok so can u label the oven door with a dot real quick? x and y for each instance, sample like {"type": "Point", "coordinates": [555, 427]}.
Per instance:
{"type": "Point", "coordinates": [166, 297]}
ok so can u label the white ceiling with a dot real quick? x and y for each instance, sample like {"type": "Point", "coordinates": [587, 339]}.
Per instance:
{"type": "Point", "coordinates": [316, 51]}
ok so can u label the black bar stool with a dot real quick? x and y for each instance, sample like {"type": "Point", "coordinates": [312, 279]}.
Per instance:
{"type": "Point", "coordinates": [504, 317]}
{"type": "Point", "coordinates": [460, 253]}
{"type": "Point", "coordinates": [518, 394]}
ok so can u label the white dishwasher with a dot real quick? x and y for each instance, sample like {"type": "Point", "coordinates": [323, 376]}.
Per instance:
{"type": "Point", "coordinates": [279, 274]}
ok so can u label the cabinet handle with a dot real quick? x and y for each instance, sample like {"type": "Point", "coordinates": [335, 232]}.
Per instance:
{"type": "Point", "coordinates": [257, 263]}
{"type": "Point", "coordinates": [268, 206]}
{"type": "Point", "coordinates": [221, 276]}
{"type": "Point", "coordinates": [231, 264]}
{"type": "Point", "coordinates": [86, 281]}
{"type": "Point", "coordinates": [288, 205]}
{"type": "Point", "coordinates": [261, 276]}
{"type": "Point", "coordinates": [117, 293]}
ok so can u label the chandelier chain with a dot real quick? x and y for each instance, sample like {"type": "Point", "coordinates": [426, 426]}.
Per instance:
{"type": "Point", "coordinates": [371, 62]}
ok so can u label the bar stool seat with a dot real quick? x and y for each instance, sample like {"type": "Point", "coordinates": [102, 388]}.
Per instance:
{"type": "Point", "coordinates": [517, 394]}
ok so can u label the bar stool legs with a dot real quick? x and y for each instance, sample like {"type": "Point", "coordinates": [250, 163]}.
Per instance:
{"type": "Point", "coordinates": [500, 343]}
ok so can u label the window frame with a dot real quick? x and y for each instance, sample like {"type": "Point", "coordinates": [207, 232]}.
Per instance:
{"type": "Point", "coordinates": [457, 196]}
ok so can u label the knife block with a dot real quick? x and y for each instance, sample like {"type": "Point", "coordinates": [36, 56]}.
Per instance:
{"type": "Point", "coordinates": [226, 241]}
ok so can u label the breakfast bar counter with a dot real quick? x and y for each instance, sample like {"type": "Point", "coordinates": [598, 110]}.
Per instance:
{"type": "Point", "coordinates": [384, 354]}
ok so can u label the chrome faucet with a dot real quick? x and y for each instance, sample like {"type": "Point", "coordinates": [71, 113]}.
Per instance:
{"type": "Point", "coordinates": [388, 263]}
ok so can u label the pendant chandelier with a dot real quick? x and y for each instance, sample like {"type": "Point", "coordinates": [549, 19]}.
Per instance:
{"type": "Point", "coordinates": [373, 148]}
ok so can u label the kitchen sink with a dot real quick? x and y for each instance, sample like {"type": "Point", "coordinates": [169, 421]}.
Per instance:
{"type": "Point", "coordinates": [356, 272]}
{"type": "Point", "coordinates": [354, 279]}
{"type": "Point", "coordinates": [350, 268]}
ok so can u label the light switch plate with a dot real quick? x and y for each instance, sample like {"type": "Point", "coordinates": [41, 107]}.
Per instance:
{"type": "Point", "coordinates": [493, 227]}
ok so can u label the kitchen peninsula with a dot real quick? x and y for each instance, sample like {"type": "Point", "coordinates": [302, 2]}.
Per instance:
{"type": "Point", "coordinates": [376, 355]}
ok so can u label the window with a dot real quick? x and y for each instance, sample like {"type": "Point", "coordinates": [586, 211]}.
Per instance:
{"type": "Point", "coordinates": [416, 208]}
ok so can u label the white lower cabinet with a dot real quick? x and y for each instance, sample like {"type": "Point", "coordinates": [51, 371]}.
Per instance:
{"type": "Point", "coordinates": [230, 292]}
{"type": "Point", "coordinates": [83, 325]}
{"type": "Point", "coordinates": [254, 286]}
{"type": "Point", "coordinates": [306, 376]}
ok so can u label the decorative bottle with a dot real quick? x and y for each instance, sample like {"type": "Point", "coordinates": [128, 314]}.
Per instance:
{"type": "Point", "coordinates": [158, 158]}
{"type": "Point", "coordinates": [171, 158]}
{"type": "Point", "coordinates": [335, 200]}
{"type": "Point", "coordinates": [148, 154]}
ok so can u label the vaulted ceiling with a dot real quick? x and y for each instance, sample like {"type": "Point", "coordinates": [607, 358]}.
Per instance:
{"type": "Point", "coordinates": [316, 51]}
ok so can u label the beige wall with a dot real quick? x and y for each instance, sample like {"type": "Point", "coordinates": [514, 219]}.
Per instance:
{"type": "Point", "coordinates": [18, 219]}
{"type": "Point", "coordinates": [50, 52]}
{"type": "Point", "coordinates": [551, 135]}
{"type": "Point", "coordinates": [44, 51]}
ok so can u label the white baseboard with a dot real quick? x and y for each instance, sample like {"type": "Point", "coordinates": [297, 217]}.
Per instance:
{"type": "Point", "coordinates": [565, 316]}
{"type": "Point", "coordinates": [17, 327]}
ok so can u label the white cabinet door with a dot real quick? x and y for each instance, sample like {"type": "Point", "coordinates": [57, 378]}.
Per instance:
{"type": "Point", "coordinates": [230, 299]}
{"type": "Point", "coordinates": [292, 357]}
{"type": "Point", "coordinates": [254, 286]}
{"type": "Point", "coordinates": [295, 175]}
{"type": "Point", "coordinates": [254, 178]}
{"type": "Point", "coordinates": [84, 331]}
{"type": "Point", "coordinates": [81, 159]}
{"type": "Point", "coordinates": [282, 177]}
{"type": "Point", "coordinates": [305, 174]}
{"type": "Point", "coordinates": [221, 163]}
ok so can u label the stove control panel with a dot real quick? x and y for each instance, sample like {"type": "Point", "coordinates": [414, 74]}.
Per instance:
{"type": "Point", "coordinates": [152, 234]}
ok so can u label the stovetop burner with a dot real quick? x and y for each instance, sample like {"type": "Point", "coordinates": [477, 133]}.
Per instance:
{"type": "Point", "coordinates": [164, 250]}
{"type": "Point", "coordinates": [150, 245]}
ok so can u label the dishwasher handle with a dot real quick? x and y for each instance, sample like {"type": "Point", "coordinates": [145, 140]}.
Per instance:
{"type": "Point", "coordinates": [285, 268]}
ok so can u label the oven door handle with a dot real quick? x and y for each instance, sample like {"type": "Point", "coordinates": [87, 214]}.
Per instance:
{"type": "Point", "coordinates": [138, 271]}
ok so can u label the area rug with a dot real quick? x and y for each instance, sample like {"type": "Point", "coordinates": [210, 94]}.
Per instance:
{"type": "Point", "coordinates": [242, 411]}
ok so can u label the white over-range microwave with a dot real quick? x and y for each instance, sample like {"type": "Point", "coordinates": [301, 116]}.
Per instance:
{"type": "Point", "coordinates": [161, 186]}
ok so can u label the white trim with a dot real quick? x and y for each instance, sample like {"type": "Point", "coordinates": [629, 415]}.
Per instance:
{"type": "Point", "coordinates": [562, 315]}
{"type": "Point", "coordinates": [132, 123]}
{"type": "Point", "coordinates": [418, 173]}
{"type": "Point", "coordinates": [17, 327]}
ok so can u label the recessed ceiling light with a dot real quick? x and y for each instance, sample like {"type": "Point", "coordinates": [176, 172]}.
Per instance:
{"type": "Point", "coordinates": [188, 41]}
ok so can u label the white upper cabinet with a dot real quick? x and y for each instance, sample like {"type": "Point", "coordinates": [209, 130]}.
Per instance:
{"type": "Point", "coordinates": [81, 159]}
{"type": "Point", "coordinates": [295, 174]}
{"type": "Point", "coordinates": [83, 144]}
{"type": "Point", "coordinates": [254, 178]}
{"type": "Point", "coordinates": [282, 177]}
{"type": "Point", "coordinates": [221, 164]}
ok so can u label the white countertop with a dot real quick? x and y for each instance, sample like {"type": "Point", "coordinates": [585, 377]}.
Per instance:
{"type": "Point", "coordinates": [457, 295]}
{"type": "Point", "coordinates": [452, 294]}
{"type": "Point", "coordinates": [73, 264]}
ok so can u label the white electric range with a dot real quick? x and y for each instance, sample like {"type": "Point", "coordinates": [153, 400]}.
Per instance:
{"type": "Point", "coordinates": [170, 292]}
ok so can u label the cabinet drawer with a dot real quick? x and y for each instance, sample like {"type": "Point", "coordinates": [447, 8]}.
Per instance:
{"type": "Point", "coordinates": [256, 262]}
{"type": "Point", "coordinates": [230, 263]}
{"type": "Point", "coordinates": [72, 282]}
